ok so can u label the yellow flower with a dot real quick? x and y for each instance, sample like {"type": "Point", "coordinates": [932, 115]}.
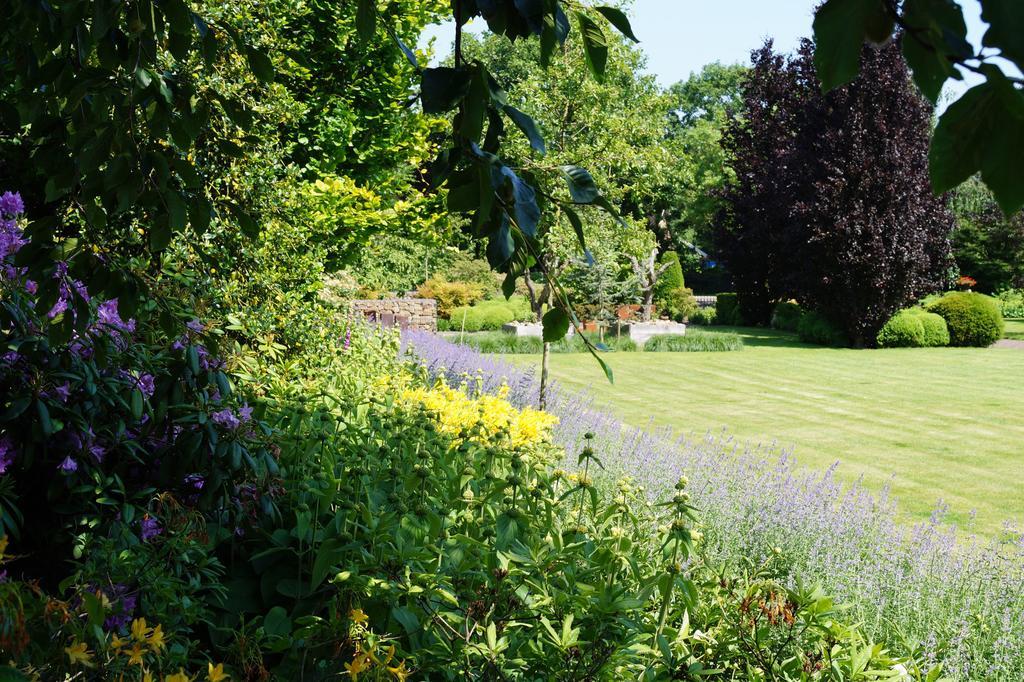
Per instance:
{"type": "Point", "coordinates": [400, 673]}
{"type": "Point", "coordinates": [156, 638]}
{"type": "Point", "coordinates": [215, 673]}
{"type": "Point", "coordinates": [139, 630]}
{"type": "Point", "coordinates": [79, 653]}
{"type": "Point", "coordinates": [358, 616]}
{"type": "Point", "coordinates": [179, 676]}
{"type": "Point", "coordinates": [135, 654]}
{"type": "Point", "coordinates": [147, 677]}
{"type": "Point", "coordinates": [116, 643]}
{"type": "Point", "coordinates": [360, 663]}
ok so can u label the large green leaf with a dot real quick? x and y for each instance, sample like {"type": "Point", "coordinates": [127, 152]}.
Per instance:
{"type": "Point", "coordinates": [936, 37]}
{"type": "Point", "coordinates": [840, 27]}
{"type": "Point", "coordinates": [618, 19]}
{"type": "Point", "coordinates": [528, 126]}
{"type": "Point", "coordinates": [556, 325]}
{"type": "Point", "coordinates": [582, 187]}
{"type": "Point", "coordinates": [595, 45]}
{"type": "Point", "coordinates": [442, 88]}
{"type": "Point", "coordinates": [982, 131]}
{"type": "Point", "coordinates": [260, 64]}
{"type": "Point", "coordinates": [366, 18]}
{"type": "Point", "coordinates": [1006, 27]}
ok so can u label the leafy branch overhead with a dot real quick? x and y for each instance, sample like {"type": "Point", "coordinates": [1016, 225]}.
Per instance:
{"type": "Point", "coordinates": [982, 131]}
{"type": "Point", "coordinates": [505, 203]}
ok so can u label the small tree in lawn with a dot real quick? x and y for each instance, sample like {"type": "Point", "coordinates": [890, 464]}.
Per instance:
{"type": "Point", "coordinates": [647, 271]}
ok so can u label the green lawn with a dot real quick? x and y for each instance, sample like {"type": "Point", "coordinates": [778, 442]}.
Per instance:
{"type": "Point", "coordinates": [1015, 329]}
{"type": "Point", "coordinates": [938, 423]}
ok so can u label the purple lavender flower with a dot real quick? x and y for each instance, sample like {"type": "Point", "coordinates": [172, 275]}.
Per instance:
{"type": "Point", "coordinates": [6, 453]}
{"type": "Point", "coordinates": [69, 465]}
{"type": "Point", "coordinates": [11, 204]}
{"type": "Point", "coordinates": [149, 528]}
{"type": "Point", "coordinates": [226, 418]}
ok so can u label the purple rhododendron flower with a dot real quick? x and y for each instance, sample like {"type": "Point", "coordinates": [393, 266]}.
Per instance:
{"type": "Point", "coordinates": [225, 418]}
{"type": "Point", "coordinates": [69, 465]}
{"type": "Point", "coordinates": [6, 453]}
{"type": "Point", "coordinates": [11, 204]}
{"type": "Point", "coordinates": [98, 452]}
{"type": "Point", "coordinates": [245, 413]}
{"type": "Point", "coordinates": [63, 392]}
{"type": "Point", "coordinates": [149, 528]}
{"type": "Point", "coordinates": [146, 384]}
{"type": "Point", "coordinates": [31, 287]}
{"type": "Point", "coordinates": [194, 325]}
{"type": "Point", "coordinates": [109, 317]}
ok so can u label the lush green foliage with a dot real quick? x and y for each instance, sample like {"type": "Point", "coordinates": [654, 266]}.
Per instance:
{"type": "Point", "coordinates": [786, 316]}
{"type": "Point", "coordinates": [490, 315]}
{"type": "Point", "coordinates": [936, 332]}
{"type": "Point", "coordinates": [816, 328]}
{"type": "Point", "coordinates": [1011, 302]}
{"type": "Point", "coordinates": [903, 330]}
{"type": "Point", "coordinates": [671, 297]}
{"type": "Point", "coordinates": [450, 295]}
{"type": "Point", "coordinates": [973, 319]}
{"type": "Point", "coordinates": [987, 245]}
{"type": "Point", "coordinates": [697, 342]}
{"type": "Point", "coordinates": [502, 343]}
{"type": "Point", "coordinates": [704, 316]}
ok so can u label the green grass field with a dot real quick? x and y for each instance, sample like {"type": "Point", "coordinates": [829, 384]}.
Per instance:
{"type": "Point", "coordinates": [935, 423]}
{"type": "Point", "coordinates": [1015, 329]}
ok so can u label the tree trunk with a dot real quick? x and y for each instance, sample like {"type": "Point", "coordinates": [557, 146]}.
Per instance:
{"type": "Point", "coordinates": [544, 376]}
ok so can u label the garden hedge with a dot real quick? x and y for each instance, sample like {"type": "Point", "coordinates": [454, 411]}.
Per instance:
{"type": "Point", "coordinates": [727, 309]}
{"type": "Point", "coordinates": [815, 328]}
{"type": "Point", "coordinates": [973, 319]}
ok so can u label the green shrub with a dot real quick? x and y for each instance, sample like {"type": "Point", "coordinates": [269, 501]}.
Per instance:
{"type": "Point", "coordinates": [703, 316]}
{"type": "Point", "coordinates": [903, 330]}
{"type": "Point", "coordinates": [1011, 302]}
{"type": "Point", "coordinates": [490, 315]}
{"type": "Point", "coordinates": [936, 333]}
{"type": "Point", "coordinates": [465, 268]}
{"type": "Point", "coordinates": [700, 342]}
{"type": "Point", "coordinates": [815, 328]}
{"type": "Point", "coordinates": [728, 310]}
{"type": "Point", "coordinates": [786, 316]}
{"type": "Point", "coordinates": [671, 296]}
{"type": "Point", "coordinates": [973, 319]}
{"type": "Point", "coordinates": [450, 295]}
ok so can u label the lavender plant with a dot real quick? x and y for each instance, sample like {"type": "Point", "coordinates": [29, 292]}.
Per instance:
{"type": "Point", "coordinates": [951, 598]}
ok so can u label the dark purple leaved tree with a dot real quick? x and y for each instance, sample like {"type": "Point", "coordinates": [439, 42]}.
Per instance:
{"type": "Point", "coordinates": [832, 204]}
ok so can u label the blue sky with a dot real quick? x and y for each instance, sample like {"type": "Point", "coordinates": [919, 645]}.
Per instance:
{"type": "Point", "coordinates": [680, 36]}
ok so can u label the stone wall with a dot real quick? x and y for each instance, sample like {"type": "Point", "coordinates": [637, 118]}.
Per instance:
{"type": "Point", "coordinates": [407, 313]}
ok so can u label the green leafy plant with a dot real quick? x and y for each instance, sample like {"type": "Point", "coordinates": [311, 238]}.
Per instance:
{"type": "Point", "coordinates": [903, 330]}
{"type": "Point", "coordinates": [727, 310]}
{"type": "Point", "coordinates": [815, 328]}
{"type": "Point", "coordinates": [973, 319]}
{"type": "Point", "coordinates": [786, 316]}
{"type": "Point", "coordinates": [700, 342]}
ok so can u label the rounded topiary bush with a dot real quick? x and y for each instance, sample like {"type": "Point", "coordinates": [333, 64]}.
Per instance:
{"type": "Point", "coordinates": [936, 333]}
{"type": "Point", "coordinates": [815, 328]}
{"type": "Point", "coordinates": [973, 319]}
{"type": "Point", "coordinates": [903, 330]}
{"type": "Point", "coordinates": [786, 316]}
